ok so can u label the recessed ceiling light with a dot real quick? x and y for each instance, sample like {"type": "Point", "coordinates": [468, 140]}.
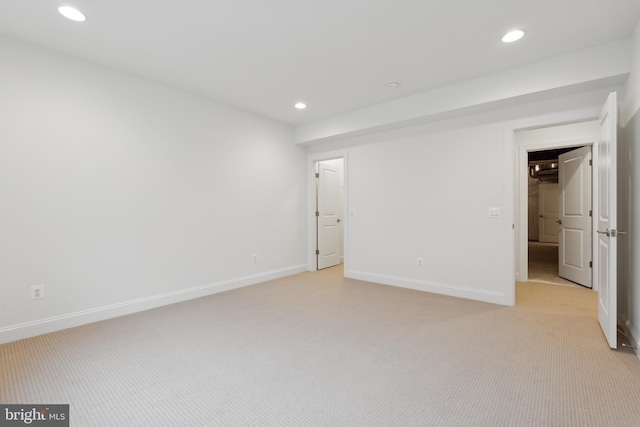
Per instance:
{"type": "Point", "coordinates": [72, 13]}
{"type": "Point", "coordinates": [513, 36]}
{"type": "Point", "coordinates": [300, 105]}
{"type": "Point", "coordinates": [393, 84]}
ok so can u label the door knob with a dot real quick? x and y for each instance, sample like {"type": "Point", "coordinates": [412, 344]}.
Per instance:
{"type": "Point", "coordinates": [612, 233]}
{"type": "Point", "coordinates": [559, 221]}
{"type": "Point", "coordinates": [339, 220]}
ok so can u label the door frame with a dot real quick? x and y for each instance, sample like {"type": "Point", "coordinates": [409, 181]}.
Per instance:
{"type": "Point", "coordinates": [522, 177]}
{"type": "Point", "coordinates": [516, 165]}
{"type": "Point", "coordinates": [312, 235]}
{"type": "Point", "coordinates": [522, 151]}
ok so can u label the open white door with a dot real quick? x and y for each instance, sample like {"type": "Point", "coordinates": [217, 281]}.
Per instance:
{"type": "Point", "coordinates": [575, 244]}
{"type": "Point", "coordinates": [548, 211]}
{"type": "Point", "coordinates": [329, 214]}
{"type": "Point", "coordinates": [606, 255]}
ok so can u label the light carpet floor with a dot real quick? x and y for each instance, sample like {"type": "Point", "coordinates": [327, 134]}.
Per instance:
{"type": "Point", "coordinates": [316, 349]}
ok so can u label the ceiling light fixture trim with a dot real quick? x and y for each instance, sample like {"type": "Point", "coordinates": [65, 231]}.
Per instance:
{"type": "Point", "coordinates": [513, 35]}
{"type": "Point", "coordinates": [72, 13]}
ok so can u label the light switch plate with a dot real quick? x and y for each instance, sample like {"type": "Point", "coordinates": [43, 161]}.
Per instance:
{"type": "Point", "coordinates": [37, 292]}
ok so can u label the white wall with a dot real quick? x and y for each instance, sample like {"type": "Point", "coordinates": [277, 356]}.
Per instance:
{"type": "Point", "coordinates": [631, 103]}
{"type": "Point", "coordinates": [630, 114]}
{"type": "Point", "coordinates": [428, 196]}
{"type": "Point", "coordinates": [425, 191]}
{"type": "Point", "coordinates": [119, 194]}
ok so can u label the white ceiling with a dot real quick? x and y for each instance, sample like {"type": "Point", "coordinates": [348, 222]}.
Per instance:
{"type": "Point", "coordinates": [336, 55]}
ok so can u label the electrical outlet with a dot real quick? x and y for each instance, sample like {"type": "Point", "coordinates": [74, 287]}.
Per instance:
{"type": "Point", "coordinates": [419, 262]}
{"type": "Point", "coordinates": [255, 258]}
{"type": "Point", "coordinates": [37, 292]}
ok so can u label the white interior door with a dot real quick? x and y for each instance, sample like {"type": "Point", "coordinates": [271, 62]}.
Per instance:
{"type": "Point", "coordinates": [605, 269]}
{"type": "Point", "coordinates": [575, 245]}
{"type": "Point", "coordinates": [548, 211]}
{"type": "Point", "coordinates": [329, 214]}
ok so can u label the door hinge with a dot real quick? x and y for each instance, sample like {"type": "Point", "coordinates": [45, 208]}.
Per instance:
{"type": "Point", "coordinates": [317, 175]}
{"type": "Point", "coordinates": [317, 213]}
{"type": "Point", "coordinates": [590, 162]}
{"type": "Point", "coordinates": [317, 252]}
{"type": "Point", "coordinates": [590, 213]}
{"type": "Point", "coordinates": [590, 264]}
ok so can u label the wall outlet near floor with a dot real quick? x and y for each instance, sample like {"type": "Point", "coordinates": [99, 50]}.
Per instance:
{"type": "Point", "coordinates": [37, 292]}
{"type": "Point", "coordinates": [419, 262]}
{"type": "Point", "coordinates": [255, 258]}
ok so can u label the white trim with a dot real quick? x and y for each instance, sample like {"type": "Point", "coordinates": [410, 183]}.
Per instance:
{"type": "Point", "coordinates": [634, 337]}
{"type": "Point", "coordinates": [510, 216]}
{"type": "Point", "coordinates": [433, 287]}
{"type": "Point", "coordinates": [312, 236]}
{"type": "Point", "coordinates": [56, 323]}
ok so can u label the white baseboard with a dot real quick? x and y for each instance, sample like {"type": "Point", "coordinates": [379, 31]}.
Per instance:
{"type": "Point", "coordinates": [633, 336]}
{"type": "Point", "coordinates": [436, 288]}
{"type": "Point", "coordinates": [56, 323]}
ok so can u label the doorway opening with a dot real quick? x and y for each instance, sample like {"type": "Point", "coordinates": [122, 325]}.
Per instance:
{"type": "Point", "coordinates": [329, 213]}
{"type": "Point", "coordinates": [559, 209]}
{"type": "Point", "coordinates": [547, 215]}
{"type": "Point", "coordinates": [602, 136]}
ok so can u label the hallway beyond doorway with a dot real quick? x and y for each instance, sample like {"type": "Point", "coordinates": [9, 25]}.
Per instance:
{"type": "Point", "coordinates": [543, 264]}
